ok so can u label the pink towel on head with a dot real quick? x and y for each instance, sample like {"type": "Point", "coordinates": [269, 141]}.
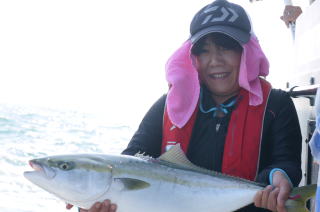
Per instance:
{"type": "Point", "coordinates": [182, 77]}
{"type": "Point", "coordinates": [253, 64]}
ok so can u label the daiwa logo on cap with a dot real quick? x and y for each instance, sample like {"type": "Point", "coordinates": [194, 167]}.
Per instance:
{"type": "Point", "coordinates": [221, 16]}
{"type": "Point", "coordinates": [225, 14]}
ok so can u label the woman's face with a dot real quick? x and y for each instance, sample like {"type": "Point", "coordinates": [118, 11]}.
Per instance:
{"type": "Point", "coordinates": [218, 66]}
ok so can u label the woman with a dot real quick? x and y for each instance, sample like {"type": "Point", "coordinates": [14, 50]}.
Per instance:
{"type": "Point", "coordinates": [223, 114]}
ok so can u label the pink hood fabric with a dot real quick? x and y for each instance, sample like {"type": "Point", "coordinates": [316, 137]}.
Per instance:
{"type": "Point", "coordinates": [253, 64]}
{"type": "Point", "coordinates": [182, 76]}
{"type": "Point", "coordinates": [184, 91]}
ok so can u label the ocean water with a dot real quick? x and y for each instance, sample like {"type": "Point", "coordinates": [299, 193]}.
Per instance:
{"type": "Point", "coordinates": [31, 132]}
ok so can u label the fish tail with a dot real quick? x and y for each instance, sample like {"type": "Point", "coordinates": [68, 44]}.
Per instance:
{"type": "Point", "coordinates": [298, 198]}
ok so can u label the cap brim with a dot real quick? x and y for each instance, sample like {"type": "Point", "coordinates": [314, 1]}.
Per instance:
{"type": "Point", "coordinates": [237, 34]}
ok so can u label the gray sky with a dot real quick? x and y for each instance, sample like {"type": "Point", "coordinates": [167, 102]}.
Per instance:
{"type": "Point", "coordinates": [109, 55]}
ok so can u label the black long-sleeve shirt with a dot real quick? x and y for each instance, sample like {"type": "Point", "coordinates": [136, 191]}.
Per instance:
{"type": "Point", "coordinates": [280, 147]}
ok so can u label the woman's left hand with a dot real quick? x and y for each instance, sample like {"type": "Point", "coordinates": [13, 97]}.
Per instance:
{"type": "Point", "coordinates": [274, 197]}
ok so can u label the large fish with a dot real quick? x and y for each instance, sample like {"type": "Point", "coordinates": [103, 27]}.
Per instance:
{"type": "Point", "coordinates": [168, 183]}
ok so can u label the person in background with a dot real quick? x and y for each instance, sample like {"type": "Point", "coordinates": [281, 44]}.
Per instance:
{"type": "Point", "coordinates": [223, 113]}
{"type": "Point", "coordinates": [290, 14]}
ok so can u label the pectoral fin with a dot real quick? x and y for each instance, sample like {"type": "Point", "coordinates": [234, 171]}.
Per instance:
{"type": "Point", "coordinates": [132, 184]}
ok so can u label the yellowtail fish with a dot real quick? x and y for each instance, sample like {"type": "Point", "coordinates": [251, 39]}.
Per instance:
{"type": "Point", "coordinates": [140, 183]}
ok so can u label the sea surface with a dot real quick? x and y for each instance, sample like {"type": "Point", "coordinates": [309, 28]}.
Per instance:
{"type": "Point", "coordinates": [28, 132]}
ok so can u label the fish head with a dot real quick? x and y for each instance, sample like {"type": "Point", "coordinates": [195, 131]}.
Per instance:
{"type": "Point", "coordinates": [76, 179]}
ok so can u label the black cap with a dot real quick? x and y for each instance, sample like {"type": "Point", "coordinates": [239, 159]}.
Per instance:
{"type": "Point", "coordinates": [224, 17]}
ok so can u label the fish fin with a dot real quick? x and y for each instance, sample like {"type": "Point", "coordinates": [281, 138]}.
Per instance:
{"type": "Point", "coordinates": [177, 159]}
{"type": "Point", "coordinates": [133, 184]}
{"type": "Point", "coordinates": [143, 156]}
{"type": "Point", "coordinates": [300, 196]}
{"type": "Point", "coordinates": [175, 155]}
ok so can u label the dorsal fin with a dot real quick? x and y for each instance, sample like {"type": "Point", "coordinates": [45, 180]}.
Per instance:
{"type": "Point", "coordinates": [175, 155]}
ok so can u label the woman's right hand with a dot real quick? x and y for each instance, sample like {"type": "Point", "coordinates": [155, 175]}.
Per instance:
{"type": "Point", "coordinates": [105, 206]}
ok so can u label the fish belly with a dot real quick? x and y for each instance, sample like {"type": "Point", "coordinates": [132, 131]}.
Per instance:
{"type": "Point", "coordinates": [159, 198]}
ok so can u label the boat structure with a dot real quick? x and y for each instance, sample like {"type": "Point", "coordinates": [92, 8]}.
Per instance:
{"type": "Point", "coordinates": [304, 79]}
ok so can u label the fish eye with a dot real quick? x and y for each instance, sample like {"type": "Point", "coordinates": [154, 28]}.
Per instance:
{"type": "Point", "coordinates": [65, 166]}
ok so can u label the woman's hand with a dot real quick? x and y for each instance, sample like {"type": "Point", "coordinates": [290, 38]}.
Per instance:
{"type": "Point", "coordinates": [274, 197]}
{"type": "Point", "coordinates": [105, 206]}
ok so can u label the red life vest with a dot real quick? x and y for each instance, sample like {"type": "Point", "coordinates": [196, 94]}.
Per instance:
{"type": "Point", "coordinates": [242, 144]}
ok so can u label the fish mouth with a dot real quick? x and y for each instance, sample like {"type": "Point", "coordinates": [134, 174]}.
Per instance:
{"type": "Point", "coordinates": [35, 166]}
{"type": "Point", "coordinates": [41, 170]}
